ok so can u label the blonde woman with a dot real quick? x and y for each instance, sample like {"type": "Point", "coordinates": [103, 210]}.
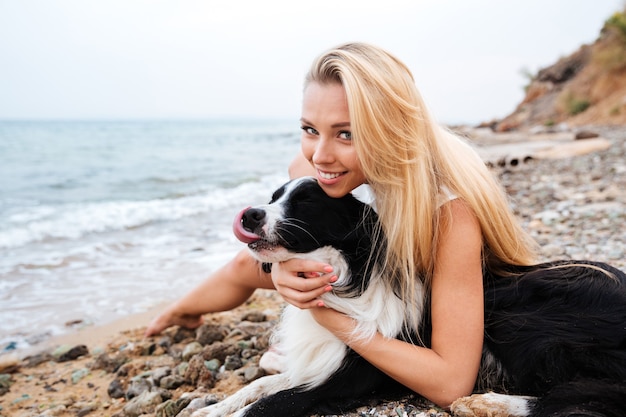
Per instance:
{"type": "Point", "coordinates": [445, 217]}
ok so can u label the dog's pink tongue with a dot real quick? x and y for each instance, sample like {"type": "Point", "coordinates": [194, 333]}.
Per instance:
{"type": "Point", "coordinates": [241, 233]}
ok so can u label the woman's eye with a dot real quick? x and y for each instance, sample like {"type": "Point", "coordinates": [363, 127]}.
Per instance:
{"type": "Point", "coordinates": [309, 130]}
{"type": "Point", "coordinates": [345, 135]}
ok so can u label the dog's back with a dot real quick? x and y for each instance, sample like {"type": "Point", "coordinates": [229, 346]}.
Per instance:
{"type": "Point", "coordinates": [555, 332]}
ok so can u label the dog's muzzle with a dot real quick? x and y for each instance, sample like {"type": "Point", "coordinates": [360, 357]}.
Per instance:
{"type": "Point", "coordinates": [248, 224]}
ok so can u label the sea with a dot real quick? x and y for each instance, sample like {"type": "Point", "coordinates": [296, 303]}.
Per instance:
{"type": "Point", "coordinates": [104, 219]}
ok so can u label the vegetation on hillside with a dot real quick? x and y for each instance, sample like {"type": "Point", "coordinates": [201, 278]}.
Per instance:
{"type": "Point", "coordinates": [587, 87]}
{"type": "Point", "coordinates": [611, 54]}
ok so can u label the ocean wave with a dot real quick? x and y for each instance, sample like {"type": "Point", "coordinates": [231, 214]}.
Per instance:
{"type": "Point", "coordinates": [73, 221]}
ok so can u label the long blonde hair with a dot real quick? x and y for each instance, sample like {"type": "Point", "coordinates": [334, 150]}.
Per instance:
{"type": "Point", "coordinates": [408, 160]}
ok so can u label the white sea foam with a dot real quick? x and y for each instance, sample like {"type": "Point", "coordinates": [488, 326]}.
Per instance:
{"type": "Point", "coordinates": [73, 221]}
{"type": "Point", "coordinates": [103, 219]}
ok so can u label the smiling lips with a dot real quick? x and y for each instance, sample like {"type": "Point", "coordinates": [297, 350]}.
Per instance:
{"type": "Point", "coordinates": [240, 232]}
{"type": "Point", "coordinates": [329, 175]}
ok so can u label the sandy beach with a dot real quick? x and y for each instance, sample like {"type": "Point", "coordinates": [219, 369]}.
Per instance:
{"type": "Point", "coordinates": [574, 208]}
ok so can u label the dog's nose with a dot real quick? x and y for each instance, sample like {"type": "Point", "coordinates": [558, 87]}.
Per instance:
{"type": "Point", "coordinates": [252, 219]}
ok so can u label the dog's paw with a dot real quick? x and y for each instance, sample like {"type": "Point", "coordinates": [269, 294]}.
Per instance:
{"type": "Point", "coordinates": [491, 405]}
{"type": "Point", "coordinates": [273, 361]}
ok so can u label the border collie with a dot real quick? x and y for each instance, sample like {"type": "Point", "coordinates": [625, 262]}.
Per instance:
{"type": "Point", "coordinates": [555, 333]}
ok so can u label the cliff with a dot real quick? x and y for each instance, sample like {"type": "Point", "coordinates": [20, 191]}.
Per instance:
{"type": "Point", "coordinates": [587, 87]}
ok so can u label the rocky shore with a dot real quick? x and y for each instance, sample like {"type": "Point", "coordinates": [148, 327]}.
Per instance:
{"type": "Point", "coordinates": [574, 207]}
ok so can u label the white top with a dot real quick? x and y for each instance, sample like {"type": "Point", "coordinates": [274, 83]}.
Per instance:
{"type": "Point", "coordinates": [364, 194]}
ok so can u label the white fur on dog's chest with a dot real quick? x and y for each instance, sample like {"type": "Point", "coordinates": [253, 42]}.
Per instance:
{"type": "Point", "coordinates": [313, 352]}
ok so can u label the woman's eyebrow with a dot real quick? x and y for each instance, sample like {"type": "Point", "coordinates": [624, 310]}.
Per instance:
{"type": "Point", "coordinates": [334, 126]}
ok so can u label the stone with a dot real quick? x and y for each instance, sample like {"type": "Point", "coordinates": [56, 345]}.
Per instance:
{"type": "Point", "coordinates": [219, 351]}
{"type": "Point", "coordinates": [109, 363]}
{"type": "Point", "coordinates": [79, 374]}
{"type": "Point", "coordinates": [137, 387]}
{"type": "Point", "coordinates": [191, 349]}
{"type": "Point", "coordinates": [171, 382]}
{"type": "Point", "coordinates": [171, 408]}
{"type": "Point", "coordinates": [73, 353]}
{"type": "Point", "coordinates": [197, 373]}
{"type": "Point", "coordinates": [116, 389]}
{"type": "Point", "coordinates": [252, 372]}
{"type": "Point", "coordinates": [585, 134]}
{"type": "Point", "coordinates": [254, 316]}
{"type": "Point", "coordinates": [143, 404]}
{"type": "Point", "coordinates": [210, 333]}
{"type": "Point", "coordinates": [233, 362]}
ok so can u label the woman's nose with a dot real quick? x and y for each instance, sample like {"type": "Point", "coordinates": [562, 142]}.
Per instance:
{"type": "Point", "coordinates": [323, 153]}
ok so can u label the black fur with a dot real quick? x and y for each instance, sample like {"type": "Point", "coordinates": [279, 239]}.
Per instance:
{"type": "Point", "coordinates": [557, 327]}
{"type": "Point", "coordinates": [555, 331]}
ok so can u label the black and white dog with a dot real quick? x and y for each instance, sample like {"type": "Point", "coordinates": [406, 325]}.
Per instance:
{"type": "Point", "coordinates": [555, 333]}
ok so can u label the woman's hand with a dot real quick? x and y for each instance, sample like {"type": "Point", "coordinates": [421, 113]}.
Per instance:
{"type": "Point", "coordinates": [301, 282]}
{"type": "Point", "coordinates": [172, 317]}
{"type": "Point", "coordinates": [337, 323]}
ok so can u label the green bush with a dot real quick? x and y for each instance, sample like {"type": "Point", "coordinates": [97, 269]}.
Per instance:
{"type": "Point", "coordinates": [575, 106]}
{"type": "Point", "coordinates": [572, 104]}
{"type": "Point", "coordinates": [618, 22]}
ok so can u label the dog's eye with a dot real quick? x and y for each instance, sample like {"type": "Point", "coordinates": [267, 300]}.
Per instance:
{"type": "Point", "coordinates": [277, 194]}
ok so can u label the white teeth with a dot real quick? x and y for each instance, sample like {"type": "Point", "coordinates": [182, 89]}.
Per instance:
{"type": "Point", "coordinates": [328, 175]}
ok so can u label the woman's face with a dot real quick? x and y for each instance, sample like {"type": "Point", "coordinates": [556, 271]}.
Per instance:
{"type": "Point", "coordinates": [327, 139]}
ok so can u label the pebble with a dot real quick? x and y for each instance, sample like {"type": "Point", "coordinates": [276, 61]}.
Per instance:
{"type": "Point", "coordinates": [137, 387]}
{"type": "Point", "coordinates": [109, 363]}
{"type": "Point", "coordinates": [116, 389]}
{"type": "Point", "coordinates": [251, 373]}
{"type": "Point", "coordinates": [191, 350]}
{"type": "Point", "coordinates": [9, 362]}
{"type": "Point", "coordinates": [198, 374]}
{"type": "Point", "coordinates": [171, 382]}
{"type": "Point", "coordinates": [5, 383]}
{"type": "Point", "coordinates": [65, 353]}
{"type": "Point", "coordinates": [207, 334]}
{"type": "Point", "coordinates": [575, 207]}
{"type": "Point", "coordinates": [143, 404]}
{"type": "Point", "coordinates": [79, 374]}
{"type": "Point", "coordinates": [171, 408]}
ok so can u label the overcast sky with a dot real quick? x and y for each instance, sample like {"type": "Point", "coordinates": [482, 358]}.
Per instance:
{"type": "Point", "coordinates": [129, 59]}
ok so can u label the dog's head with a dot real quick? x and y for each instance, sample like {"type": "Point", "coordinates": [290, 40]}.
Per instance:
{"type": "Point", "coordinates": [301, 218]}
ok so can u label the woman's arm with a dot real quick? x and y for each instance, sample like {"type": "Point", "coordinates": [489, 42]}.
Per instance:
{"type": "Point", "coordinates": [224, 289]}
{"type": "Point", "coordinates": [448, 369]}
{"type": "Point", "coordinates": [227, 287]}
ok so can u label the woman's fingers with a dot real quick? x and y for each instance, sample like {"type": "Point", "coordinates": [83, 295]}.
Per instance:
{"type": "Point", "coordinates": [308, 299]}
{"type": "Point", "coordinates": [168, 319]}
{"type": "Point", "coordinates": [301, 282]}
{"type": "Point", "coordinates": [306, 266]}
